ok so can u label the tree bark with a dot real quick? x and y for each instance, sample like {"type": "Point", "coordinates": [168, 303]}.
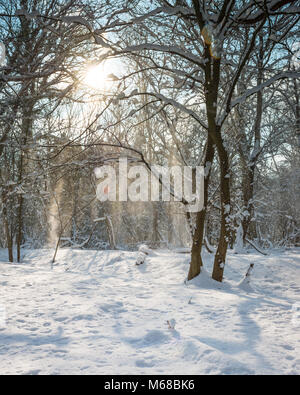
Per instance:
{"type": "Point", "coordinates": [248, 193]}
{"type": "Point", "coordinates": [220, 257]}
{"type": "Point", "coordinates": [8, 232]}
{"type": "Point", "coordinates": [26, 134]}
{"type": "Point", "coordinates": [196, 259]}
{"type": "Point", "coordinates": [249, 170]}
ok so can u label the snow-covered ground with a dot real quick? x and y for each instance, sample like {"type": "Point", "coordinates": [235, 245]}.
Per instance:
{"type": "Point", "coordinates": [97, 312]}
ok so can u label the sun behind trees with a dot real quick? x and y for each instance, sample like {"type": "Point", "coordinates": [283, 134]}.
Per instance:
{"type": "Point", "coordinates": [184, 83]}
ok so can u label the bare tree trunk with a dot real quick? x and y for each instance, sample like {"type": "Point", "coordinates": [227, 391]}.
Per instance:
{"type": "Point", "coordinates": [297, 110]}
{"type": "Point", "coordinates": [249, 172]}
{"type": "Point", "coordinates": [196, 260]}
{"type": "Point", "coordinates": [248, 193]}
{"type": "Point", "coordinates": [212, 78]}
{"type": "Point", "coordinates": [20, 228]}
{"type": "Point", "coordinates": [20, 204]}
{"type": "Point", "coordinates": [220, 257]}
{"type": "Point", "coordinates": [27, 112]}
{"type": "Point", "coordinates": [155, 223]}
{"type": "Point", "coordinates": [111, 233]}
{"type": "Point", "coordinates": [8, 232]}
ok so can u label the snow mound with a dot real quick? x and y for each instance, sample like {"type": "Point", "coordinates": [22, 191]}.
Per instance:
{"type": "Point", "coordinates": [146, 250]}
{"type": "Point", "coordinates": [204, 281]}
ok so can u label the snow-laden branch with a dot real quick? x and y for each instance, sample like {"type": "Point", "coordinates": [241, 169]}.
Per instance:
{"type": "Point", "coordinates": [187, 11]}
{"type": "Point", "coordinates": [177, 105]}
{"type": "Point", "coordinates": [28, 76]}
{"type": "Point", "coordinates": [242, 65]}
{"type": "Point", "coordinates": [159, 11]}
{"type": "Point", "coordinates": [241, 99]}
{"type": "Point", "coordinates": [172, 49]}
{"type": "Point", "coordinates": [34, 15]}
{"type": "Point", "coordinates": [266, 9]}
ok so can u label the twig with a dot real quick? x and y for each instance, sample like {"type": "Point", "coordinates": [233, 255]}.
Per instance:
{"type": "Point", "coordinates": [255, 247]}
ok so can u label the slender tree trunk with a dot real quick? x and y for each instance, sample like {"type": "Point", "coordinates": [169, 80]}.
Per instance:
{"type": "Point", "coordinates": [20, 203]}
{"type": "Point", "coordinates": [155, 222]}
{"type": "Point", "coordinates": [212, 77]}
{"type": "Point", "coordinates": [249, 172]}
{"type": "Point", "coordinates": [23, 164]}
{"type": "Point", "coordinates": [27, 112]}
{"type": "Point", "coordinates": [248, 193]}
{"type": "Point", "coordinates": [220, 257]}
{"type": "Point", "coordinates": [8, 233]}
{"type": "Point", "coordinates": [297, 111]}
{"type": "Point", "coordinates": [196, 260]}
{"type": "Point", "coordinates": [20, 228]}
{"type": "Point", "coordinates": [111, 233]}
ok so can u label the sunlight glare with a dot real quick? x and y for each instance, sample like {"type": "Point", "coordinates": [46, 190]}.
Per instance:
{"type": "Point", "coordinates": [101, 76]}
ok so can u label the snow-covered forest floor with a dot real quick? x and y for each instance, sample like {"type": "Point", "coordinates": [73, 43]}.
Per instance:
{"type": "Point", "coordinates": [97, 312]}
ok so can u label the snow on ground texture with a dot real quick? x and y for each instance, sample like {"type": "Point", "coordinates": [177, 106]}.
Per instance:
{"type": "Point", "coordinates": [97, 312]}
